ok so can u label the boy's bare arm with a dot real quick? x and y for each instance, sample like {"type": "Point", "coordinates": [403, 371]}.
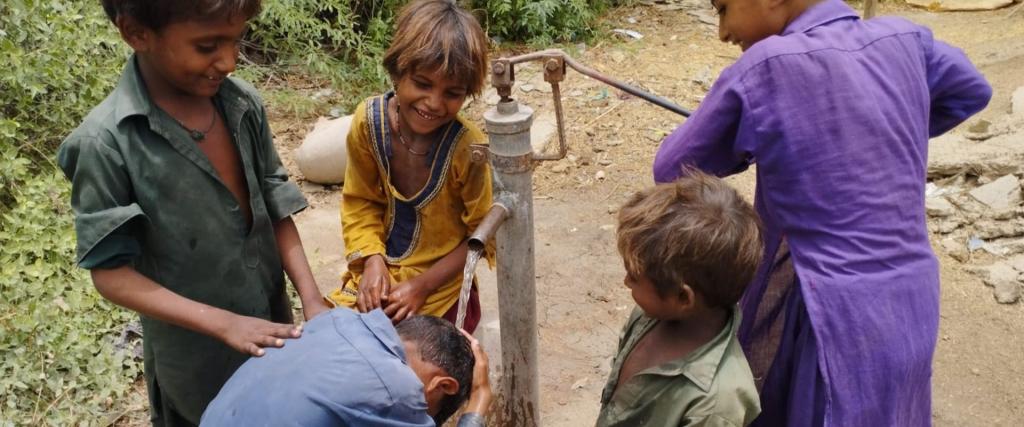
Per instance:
{"type": "Point", "coordinates": [293, 257]}
{"type": "Point", "coordinates": [405, 301]}
{"type": "Point", "coordinates": [128, 288]}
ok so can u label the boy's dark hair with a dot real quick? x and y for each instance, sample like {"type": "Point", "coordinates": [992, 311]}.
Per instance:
{"type": "Point", "coordinates": [441, 344]}
{"type": "Point", "coordinates": [696, 231]}
{"type": "Point", "coordinates": [438, 34]}
{"type": "Point", "coordinates": [156, 14]}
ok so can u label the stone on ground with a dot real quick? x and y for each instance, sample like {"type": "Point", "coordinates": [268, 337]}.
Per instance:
{"type": "Point", "coordinates": [1007, 292]}
{"type": "Point", "coordinates": [960, 5]}
{"type": "Point", "coordinates": [938, 207]}
{"type": "Point", "coordinates": [993, 273]}
{"type": "Point", "coordinates": [999, 229]}
{"type": "Point", "coordinates": [952, 154]}
{"type": "Point", "coordinates": [1002, 277]}
{"type": "Point", "coordinates": [322, 157]}
{"type": "Point", "coordinates": [1017, 102]}
{"type": "Point", "coordinates": [956, 249]}
{"type": "Point", "coordinates": [1002, 193]}
{"type": "Point", "coordinates": [544, 127]}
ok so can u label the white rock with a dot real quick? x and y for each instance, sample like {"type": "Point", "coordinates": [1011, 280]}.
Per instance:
{"type": "Point", "coordinates": [955, 249]}
{"type": "Point", "coordinates": [998, 229]}
{"type": "Point", "coordinates": [952, 154]}
{"type": "Point", "coordinates": [1017, 262]}
{"type": "Point", "coordinates": [949, 5]}
{"type": "Point", "coordinates": [938, 207]}
{"type": "Point", "coordinates": [946, 226]}
{"type": "Point", "coordinates": [1007, 292]}
{"type": "Point", "coordinates": [1018, 102]}
{"type": "Point", "coordinates": [1003, 279]}
{"type": "Point", "coordinates": [994, 273]}
{"type": "Point", "coordinates": [1008, 246]}
{"type": "Point", "coordinates": [599, 176]}
{"type": "Point", "coordinates": [544, 127]}
{"type": "Point", "coordinates": [322, 158]}
{"type": "Point", "coordinates": [999, 194]}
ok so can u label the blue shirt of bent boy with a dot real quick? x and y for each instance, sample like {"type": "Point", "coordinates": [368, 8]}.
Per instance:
{"type": "Point", "coordinates": [363, 380]}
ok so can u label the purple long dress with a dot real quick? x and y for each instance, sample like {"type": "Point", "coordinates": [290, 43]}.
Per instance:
{"type": "Point", "coordinates": [836, 112]}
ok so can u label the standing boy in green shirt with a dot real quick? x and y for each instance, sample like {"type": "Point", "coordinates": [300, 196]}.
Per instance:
{"type": "Point", "coordinates": [690, 248]}
{"type": "Point", "coordinates": [182, 208]}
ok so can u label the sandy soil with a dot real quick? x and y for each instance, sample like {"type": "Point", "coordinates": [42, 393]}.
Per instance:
{"type": "Point", "coordinates": [580, 299]}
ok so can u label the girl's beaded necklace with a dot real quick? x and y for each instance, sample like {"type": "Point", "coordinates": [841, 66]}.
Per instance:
{"type": "Point", "coordinates": [401, 138]}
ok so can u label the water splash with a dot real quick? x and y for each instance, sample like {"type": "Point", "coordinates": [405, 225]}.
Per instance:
{"type": "Point", "coordinates": [472, 257]}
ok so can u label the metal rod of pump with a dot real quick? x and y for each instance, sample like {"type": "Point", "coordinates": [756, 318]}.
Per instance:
{"type": "Point", "coordinates": [594, 74]}
{"type": "Point", "coordinates": [511, 157]}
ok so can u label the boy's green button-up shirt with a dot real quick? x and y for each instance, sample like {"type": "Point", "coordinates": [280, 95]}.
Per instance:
{"type": "Point", "coordinates": [712, 386]}
{"type": "Point", "coordinates": [137, 176]}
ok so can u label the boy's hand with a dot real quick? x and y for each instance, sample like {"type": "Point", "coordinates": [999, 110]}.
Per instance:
{"type": "Point", "coordinates": [406, 300]}
{"type": "Point", "coordinates": [374, 286]}
{"type": "Point", "coordinates": [311, 309]}
{"type": "Point", "coordinates": [480, 395]}
{"type": "Point", "coordinates": [251, 334]}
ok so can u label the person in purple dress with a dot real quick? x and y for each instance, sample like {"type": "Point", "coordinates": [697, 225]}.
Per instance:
{"type": "Point", "coordinates": [841, 321]}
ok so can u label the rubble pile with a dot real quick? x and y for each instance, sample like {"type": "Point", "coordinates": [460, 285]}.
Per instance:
{"type": "Point", "coordinates": [975, 201]}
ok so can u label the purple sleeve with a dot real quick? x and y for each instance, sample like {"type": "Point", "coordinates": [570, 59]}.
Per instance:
{"type": "Point", "coordinates": [708, 139]}
{"type": "Point", "coordinates": [957, 88]}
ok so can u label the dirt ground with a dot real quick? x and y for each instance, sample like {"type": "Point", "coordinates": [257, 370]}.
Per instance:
{"type": "Point", "coordinates": [581, 303]}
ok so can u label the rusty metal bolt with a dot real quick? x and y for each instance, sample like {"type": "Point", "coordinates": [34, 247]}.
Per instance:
{"type": "Point", "coordinates": [478, 153]}
{"type": "Point", "coordinates": [552, 65]}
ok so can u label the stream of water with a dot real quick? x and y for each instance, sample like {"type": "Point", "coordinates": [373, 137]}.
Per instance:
{"type": "Point", "coordinates": [467, 283]}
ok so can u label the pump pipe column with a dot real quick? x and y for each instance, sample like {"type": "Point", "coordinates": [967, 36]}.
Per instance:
{"type": "Point", "coordinates": [511, 157]}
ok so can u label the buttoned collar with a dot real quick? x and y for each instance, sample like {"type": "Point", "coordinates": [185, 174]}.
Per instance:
{"type": "Point", "coordinates": [132, 99]}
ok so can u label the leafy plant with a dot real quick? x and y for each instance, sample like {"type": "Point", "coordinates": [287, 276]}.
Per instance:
{"type": "Point", "coordinates": [339, 43]}
{"type": "Point", "coordinates": [61, 58]}
{"type": "Point", "coordinates": [59, 364]}
{"type": "Point", "coordinates": [540, 21]}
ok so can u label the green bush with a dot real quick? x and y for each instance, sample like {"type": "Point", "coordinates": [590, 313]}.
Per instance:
{"type": "Point", "coordinates": [539, 21]}
{"type": "Point", "coordinates": [340, 42]}
{"type": "Point", "coordinates": [61, 58]}
{"type": "Point", "coordinates": [59, 364]}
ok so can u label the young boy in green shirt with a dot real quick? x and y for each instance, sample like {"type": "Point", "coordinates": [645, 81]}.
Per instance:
{"type": "Point", "coordinates": [690, 248]}
{"type": "Point", "coordinates": [182, 208]}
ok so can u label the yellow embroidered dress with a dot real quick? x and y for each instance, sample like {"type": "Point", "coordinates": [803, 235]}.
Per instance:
{"type": "Point", "coordinates": [412, 233]}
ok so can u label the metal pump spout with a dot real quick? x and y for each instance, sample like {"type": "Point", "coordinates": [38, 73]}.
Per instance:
{"type": "Point", "coordinates": [489, 225]}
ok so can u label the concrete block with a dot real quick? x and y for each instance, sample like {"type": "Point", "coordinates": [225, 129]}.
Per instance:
{"type": "Point", "coordinates": [1000, 194]}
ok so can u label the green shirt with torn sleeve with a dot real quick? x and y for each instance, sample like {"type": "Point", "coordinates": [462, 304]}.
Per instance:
{"type": "Point", "coordinates": [144, 194]}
